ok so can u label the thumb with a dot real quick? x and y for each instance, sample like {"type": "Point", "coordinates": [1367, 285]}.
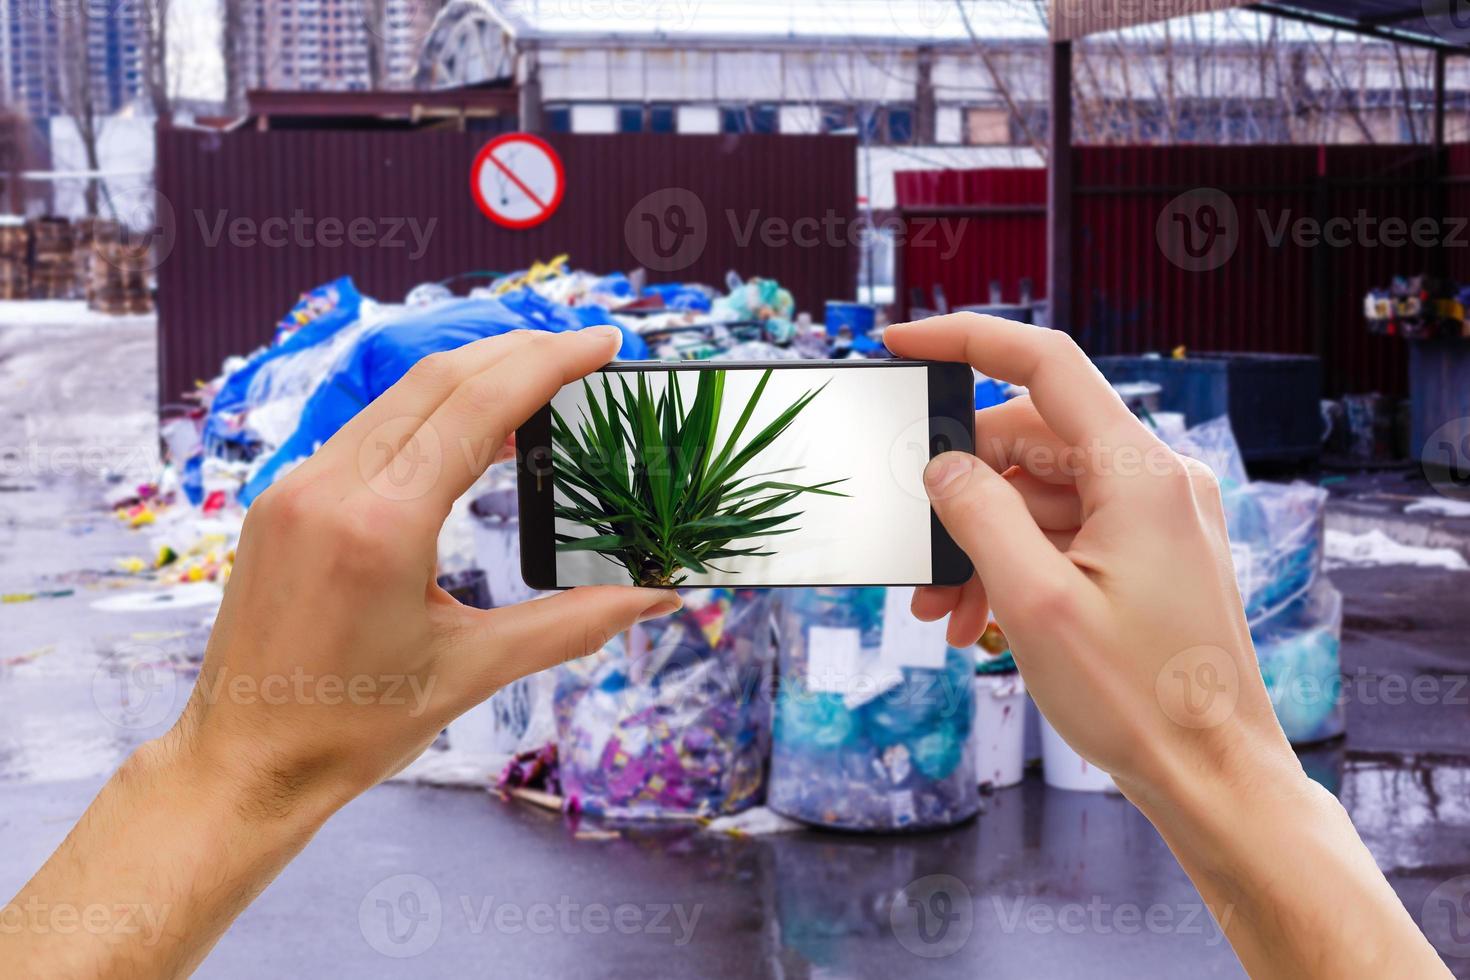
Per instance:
{"type": "Point", "coordinates": [503, 645]}
{"type": "Point", "coordinates": [989, 520]}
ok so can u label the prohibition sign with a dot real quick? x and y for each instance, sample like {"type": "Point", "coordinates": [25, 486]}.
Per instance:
{"type": "Point", "coordinates": [517, 180]}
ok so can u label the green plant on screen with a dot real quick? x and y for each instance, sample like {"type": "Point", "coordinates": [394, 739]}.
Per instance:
{"type": "Point", "coordinates": [648, 477]}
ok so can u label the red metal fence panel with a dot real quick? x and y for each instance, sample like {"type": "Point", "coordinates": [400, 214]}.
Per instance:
{"type": "Point", "coordinates": [768, 205]}
{"type": "Point", "coordinates": [966, 228]}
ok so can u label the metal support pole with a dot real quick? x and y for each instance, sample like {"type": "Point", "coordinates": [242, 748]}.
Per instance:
{"type": "Point", "coordinates": [1440, 57]}
{"type": "Point", "coordinates": [1059, 189]}
{"type": "Point", "coordinates": [529, 108]}
{"type": "Point", "coordinates": [1439, 258]}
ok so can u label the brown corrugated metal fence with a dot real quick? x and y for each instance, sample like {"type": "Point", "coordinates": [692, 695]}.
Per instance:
{"type": "Point", "coordinates": [773, 206]}
{"type": "Point", "coordinates": [1136, 289]}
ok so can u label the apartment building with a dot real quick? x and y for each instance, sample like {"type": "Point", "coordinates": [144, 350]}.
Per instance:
{"type": "Point", "coordinates": [37, 44]}
{"type": "Point", "coordinates": [323, 45]}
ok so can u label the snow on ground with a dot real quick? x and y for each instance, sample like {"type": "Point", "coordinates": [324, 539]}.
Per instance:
{"type": "Point", "coordinates": [1443, 506]}
{"type": "Point", "coordinates": [1347, 550]}
{"type": "Point", "coordinates": [78, 393]}
{"type": "Point", "coordinates": [63, 313]}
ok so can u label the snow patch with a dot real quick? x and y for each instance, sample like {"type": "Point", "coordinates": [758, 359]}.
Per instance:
{"type": "Point", "coordinates": [1347, 550]}
{"type": "Point", "coordinates": [757, 822]}
{"type": "Point", "coordinates": [62, 313]}
{"type": "Point", "coordinates": [1443, 506]}
{"type": "Point", "coordinates": [453, 768]}
{"type": "Point", "coordinates": [186, 596]}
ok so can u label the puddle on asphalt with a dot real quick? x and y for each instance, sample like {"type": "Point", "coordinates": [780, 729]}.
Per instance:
{"type": "Point", "coordinates": [1365, 623]}
{"type": "Point", "coordinates": [1411, 808]}
{"type": "Point", "coordinates": [77, 712]}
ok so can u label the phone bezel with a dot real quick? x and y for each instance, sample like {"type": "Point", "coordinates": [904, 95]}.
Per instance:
{"type": "Point", "coordinates": [951, 394]}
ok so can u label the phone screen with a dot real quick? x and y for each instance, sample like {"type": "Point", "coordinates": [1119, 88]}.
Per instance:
{"type": "Point", "coordinates": [744, 476]}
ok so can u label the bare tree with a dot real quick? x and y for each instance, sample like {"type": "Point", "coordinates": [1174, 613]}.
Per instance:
{"type": "Point", "coordinates": [1002, 88]}
{"type": "Point", "coordinates": [73, 85]}
{"type": "Point", "coordinates": [237, 51]}
{"type": "Point", "coordinates": [1240, 78]}
{"type": "Point", "coordinates": [153, 35]}
{"type": "Point", "coordinates": [375, 20]}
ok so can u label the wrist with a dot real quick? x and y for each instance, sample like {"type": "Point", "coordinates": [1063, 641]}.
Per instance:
{"type": "Point", "coordinates": [1235, 824]}
{"type": "Point", "coordinates": [1211, 804]}
{"type": "Point", "coordinates": [232, 792]}
{"type": "Point", "coordinates": [1238, 769]}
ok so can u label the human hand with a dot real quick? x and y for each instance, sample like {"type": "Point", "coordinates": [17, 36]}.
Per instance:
{"type": "Point", "coordinates": [1106, 558]}
{"type": "Point", "coordinates": [336, 659]}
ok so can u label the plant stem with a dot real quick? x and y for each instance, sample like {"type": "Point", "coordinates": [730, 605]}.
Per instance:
{"type": "Point", "coordinates": [654, 575]}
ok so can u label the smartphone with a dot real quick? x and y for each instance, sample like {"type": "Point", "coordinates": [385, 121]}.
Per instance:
{"type": "Point", "coordinates": [769, 475]}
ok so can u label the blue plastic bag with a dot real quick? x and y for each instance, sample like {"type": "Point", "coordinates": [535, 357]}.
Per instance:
{"type": "Point", "coordinates": [325, 310]}
{"type": "Point", "coordinates": [384, 354]}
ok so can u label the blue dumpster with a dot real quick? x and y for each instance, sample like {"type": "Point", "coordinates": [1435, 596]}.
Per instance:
{"type": "Point", "coordinates": [1273, 400]}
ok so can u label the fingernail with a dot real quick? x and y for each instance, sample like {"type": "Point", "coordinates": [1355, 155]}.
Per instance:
{"type": "Point", "coordinates": [606, 334]}
{"type": "Point", "coordinates": [664, 606]}
{"type": "Point", "coordinates": [942, 475]}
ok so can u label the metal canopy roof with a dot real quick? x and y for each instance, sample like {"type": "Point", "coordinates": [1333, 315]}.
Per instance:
{"type": "Point", "coordinates": [1438, 24]}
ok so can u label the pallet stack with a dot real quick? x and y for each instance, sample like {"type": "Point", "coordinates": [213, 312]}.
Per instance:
{"type": "Point", "coordinates": [53, 259]}
{"type": "Point", "coordinates": [86, 233]}
{"type": "Point", "coordinates": [120, 264]}
{"type": "Point", "coordinates": [15, 259]}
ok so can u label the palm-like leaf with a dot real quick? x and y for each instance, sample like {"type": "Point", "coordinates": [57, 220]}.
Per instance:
{"type": "Point", "coordinates": [647, 477]}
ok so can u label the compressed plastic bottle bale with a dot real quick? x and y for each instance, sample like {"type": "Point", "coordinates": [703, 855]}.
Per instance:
{"type": "Point", "coordinates": [671, 720]}
{"type": "Point", "coordinates": [860, 744]}
{"type": "Point", "coordinates": [1299, 653]}
{"type": "Point", "coordinates": [1275, 541]}
{"type": "Point", "coordinates": [821, 722]}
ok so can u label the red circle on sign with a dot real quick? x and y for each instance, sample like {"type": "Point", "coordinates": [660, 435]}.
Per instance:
{"type": "Point", "coordinates": [545, 207]}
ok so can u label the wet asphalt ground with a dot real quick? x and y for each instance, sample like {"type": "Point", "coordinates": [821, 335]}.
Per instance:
{"type": "Point", "coordinates": [419, 882]}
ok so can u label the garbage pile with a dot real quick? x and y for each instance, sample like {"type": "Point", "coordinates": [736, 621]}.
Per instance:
{"type": "Point", "coordinates": [336, 350]}
{"type": "Point", "coordinates": [732, 702]}
{"type": "Point", "coordinates": [1420, 307]}
{"type": "Point", "coordinates": [693, 321]}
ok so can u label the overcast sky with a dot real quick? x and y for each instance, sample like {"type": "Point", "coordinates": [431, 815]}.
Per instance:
{"type": "Point", "coordinates": [857, 18]}
{"type": "Point", "coordinates": [199, 66]}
